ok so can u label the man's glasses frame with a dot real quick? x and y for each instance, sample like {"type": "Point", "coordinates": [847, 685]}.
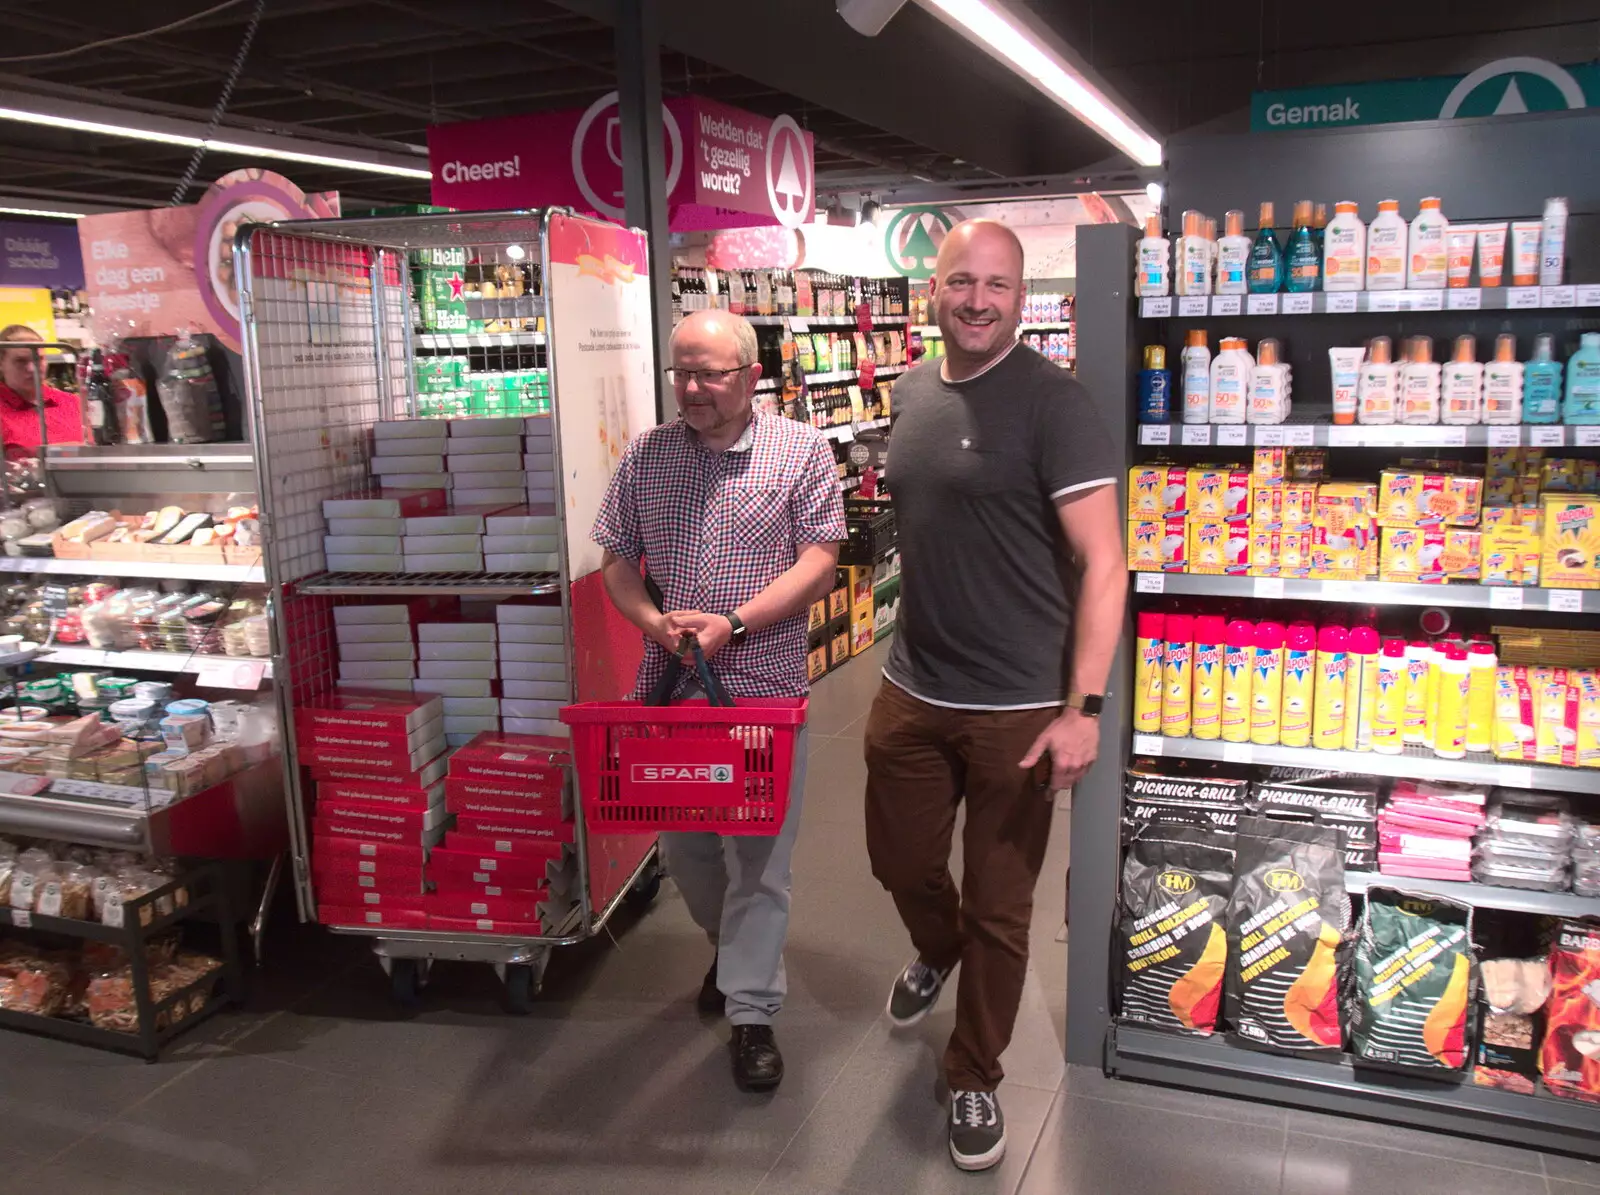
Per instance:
{"type": "Point", "coordinates": [706, 377]}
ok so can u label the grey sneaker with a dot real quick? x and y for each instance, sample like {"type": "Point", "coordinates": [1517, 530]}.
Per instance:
{"type": "Point", "coordinates": [977, 1130]}
{"type": "Point", "coordinates": [915, 993]}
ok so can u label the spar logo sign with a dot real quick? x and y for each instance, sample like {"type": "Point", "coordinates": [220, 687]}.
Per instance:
{"type": "Point", "coordinates": [649, 773]}
{"type": "Point", "coordinates": [791, 178]}
{"type": "Point", "coordinates": [1511, 85]}
{"type": "Point", "coordinates": [912, 239]}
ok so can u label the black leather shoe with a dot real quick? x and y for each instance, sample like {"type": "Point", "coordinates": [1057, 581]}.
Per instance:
{"type": "Point", "coordinates": [711, 1002]}
{"type": "Point", "coordinates": [757, 1064]}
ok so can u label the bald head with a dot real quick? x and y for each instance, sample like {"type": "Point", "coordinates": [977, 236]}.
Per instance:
{"type": "Point", "coordinates": [718, 328]}
{"type": "Point", "coordinates": [977, 295]}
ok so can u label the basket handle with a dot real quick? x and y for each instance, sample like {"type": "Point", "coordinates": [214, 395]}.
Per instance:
{"type": "Point", "coordinates": [662, 693]}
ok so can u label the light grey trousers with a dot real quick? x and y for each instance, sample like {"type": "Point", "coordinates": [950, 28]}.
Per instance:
{"type": "Point", "coordinates": [737, 890]}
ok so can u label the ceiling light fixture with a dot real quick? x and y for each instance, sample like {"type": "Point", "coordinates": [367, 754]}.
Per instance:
{"type": "Point", "coordinates": [33, 211]}
{"type": "Point", "coordinates": [1036, 56]}
{"type": "Point", "coordinates": [83, 118]}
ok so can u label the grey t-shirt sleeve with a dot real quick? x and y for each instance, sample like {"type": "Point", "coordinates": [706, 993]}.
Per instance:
{"type": "Point", "coordinates": [1074, 451]}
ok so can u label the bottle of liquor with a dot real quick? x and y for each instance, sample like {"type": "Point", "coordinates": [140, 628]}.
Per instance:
{"type": "Point", "coordinates": [677, 294]}
{"type": "Point", "coordinates": [740, 299]}
{"type": "Point", "coordinates": [99, 405]}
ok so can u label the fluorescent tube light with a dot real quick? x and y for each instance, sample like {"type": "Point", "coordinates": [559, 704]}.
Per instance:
{"type": "Point", "coordinates": [1005, 36]}
{"type": "Point", "coordinates": [278, 148]}
{"type": "Point", "coordinates": [33, 211]}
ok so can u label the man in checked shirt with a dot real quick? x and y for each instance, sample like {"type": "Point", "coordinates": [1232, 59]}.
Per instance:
{"type": "Point", "coordinates": [737, 517]}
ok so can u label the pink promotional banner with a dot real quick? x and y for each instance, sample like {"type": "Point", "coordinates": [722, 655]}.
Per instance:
{"type": "Point", "coordinates": [724, 167]}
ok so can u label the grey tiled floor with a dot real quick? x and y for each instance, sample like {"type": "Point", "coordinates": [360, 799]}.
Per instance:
{"type": "Point", "coordinates": [614, 1084]}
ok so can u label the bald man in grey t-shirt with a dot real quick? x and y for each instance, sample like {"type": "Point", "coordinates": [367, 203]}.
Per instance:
{"type": "Point", "coordinates": [1015, 584]}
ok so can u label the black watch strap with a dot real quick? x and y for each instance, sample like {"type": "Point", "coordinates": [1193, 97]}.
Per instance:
{"type": "Point", "coordinates": [737, 623]}
{"type": "Point", "coordinates": [1090, 705]}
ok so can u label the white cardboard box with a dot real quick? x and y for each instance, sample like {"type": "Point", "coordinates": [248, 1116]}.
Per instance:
{"type": "Point", "coordinates": [520, 524]}
{"type": "Point", "coordinates": [458, 446]}
{"type": "Point", "coordinates": [444, 687]}
{"type": "Point", "coordinates": [511, 479]}
{"type": "Point", "coordinates": [541, 494]}
{"type": "Point", "coordinates": [515, 670]}
{"type": "Point", "coordinates": [530, 632]}
{"type": "Point", "coordinates": [529, 613]}
{"type": "Point", "coordinates": [537, 690]}
{"type": "Point", "coordinates": [456, 651]}
{"type": "Point", "coordinates": [371, 632]}
{"type": "Point", "coordinates": [410, 429]}
{"type": "Point", "coordinates": [502, 425]}
{"type": "Point", "coordinates": [520, 543]}
{"type": "Point", "coordinates": [535, 687]}
{"type": "Point", "coordinates": [521, 707]}
{"type": "Point", "coordinates": [444, 562]}
{"type": "Point", "coordinates": [376, 670]}
{"type": "Point", "coordinates": [465, 493]}
{"type": "Point", "coordinates": [539, 462]}
{"type": "Point", "coordinates": [346, 562]}
{"type": "Point", "coordinates": [366, 615]}
{"type": "Point", "coordinates": [446, 524]}
{"type": "Point", "coordinates": [535, 726]}
{"type": "Point", "coordinates": [458, 669]}
{"type": "Point", "coordinates": [534, 653]}
{"type": "Point", "coordinates": [398, 686]}
{"type": "Point", "coordinates": [472, 707]}
{"type": "Point", "coordinates": [376, 508]}
{"type": "Point", "coordinates": [423, 545]}
{"type": "Point", "coordinates": [419, 481]}
{"type": "Point", "coordinates": [366, 526]}
{"type": "Point", "coordinates": [520, 562]}
{"type": "Point", "coordinates": [465, 724]}
{"type": "Point", "coordinates": [361, 545]}
{"type": "Point", "coordinates": [393, 650]}
{"type": "Point", "coordinates": [486, 462]}
{"type": "Point", "coordinates": [538, 425]}
{"type": "Point", "coordinates": [456, 632]}
{"type": "Point", "coordinates": [411, 462]}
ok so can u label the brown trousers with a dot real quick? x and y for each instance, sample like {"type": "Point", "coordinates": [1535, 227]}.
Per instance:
{"type": "Point", "coordinates": [921, 761]}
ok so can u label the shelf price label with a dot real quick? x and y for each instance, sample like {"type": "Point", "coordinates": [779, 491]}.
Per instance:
{"type": "Point", "coordinates": [1586, 437]}
{"type": "Point", "coordinates": [1156, 308]}
{"type": "Point", "coordinates": [1515, 776]}
{"type": "Point", "coordinates": [1198, 435]}
{"type": "Point", "coordinates": [1271, 437]}
{"type": "Point", "coordinates": [1143, 744]}
{"type": "Point", "coordinates": [1468, 298]}
{"type": "Point", "coordinates": [1344, 436]}
{"type": "Point", "coordinates": [230, 674]}
{"type": "Point", "coordinates": [1424, 300]}
{"type": "Point", "coordinates": [1552, 436]}
{"type": "Point", "coordinates": [1267, 587]}
{"type": "Point", "coordinates": [1522, 298]}
{"type": "Point", "coordinates": [1262, 305]}
{"type": "Point", "coordinates": [1150, 583]}
{"type": "Point", "coordinates": [799, 325]}
{"type": "Point", "coordinates": [1237, 753]}
{"type": "Point", "coordinates": [1589, 296]}
{"type": "Point", "coordinates": [1505, 597]}
{"type": "Point", "coordinates": [1300, 435]}
{"type": "Point", "coordinates": [1233, 435]}
{"type": "Point", "coordinates": [1225, 304]}
{"type": "Point", "coordinates": [1192, 305]}
{"type": "Point", "coordinates": [1558, 296]}
{"type": "Point", "coordinates": [1342, 303]}
{"type": "Point", "coordinates": [1565, 601]}
{"type": "Point", "coordinates": [1505, 437]}
{"type": "Point", "coordinates": [1155, 433]}
{"type": "Point", "coordinates": [1383, 300]}
{"type": "Point", "coordinates": [1297, 304]}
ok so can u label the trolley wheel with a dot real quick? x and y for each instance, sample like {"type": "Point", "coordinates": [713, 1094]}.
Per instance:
{"type": "Point", "coordinates": [645, 889]}
{"type": "Point", "coordinates": [521, 988]}
{"type": "Point", "coordinates": [405, 982]}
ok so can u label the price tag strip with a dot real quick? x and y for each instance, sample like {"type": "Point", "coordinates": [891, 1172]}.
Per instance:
{"type": "Point", "coordinates": [1143, 744]}
{"type": "Point", "coordinates": [1150, 583]}
{"type": "Point", "coordinates": [1199, 435]}
{"type": "Point", "coordinates": [1193, 305]}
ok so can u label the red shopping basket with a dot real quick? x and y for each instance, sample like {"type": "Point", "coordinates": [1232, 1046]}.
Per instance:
{"type": "Point", "coordinates": [690, 766]}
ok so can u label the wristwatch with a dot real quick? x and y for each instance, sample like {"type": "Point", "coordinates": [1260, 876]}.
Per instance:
{"type": "Point", "coordinates": [739, 628]}
{"type": "Point", "coordinates": [1087, 704]}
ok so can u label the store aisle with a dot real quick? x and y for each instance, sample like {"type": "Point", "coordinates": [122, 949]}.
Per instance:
{"type": "Point", "coordinates": [614, 1084]}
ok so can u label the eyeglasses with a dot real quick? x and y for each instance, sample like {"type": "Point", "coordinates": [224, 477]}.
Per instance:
{"type": "Point", "coordinates": [706, 377]}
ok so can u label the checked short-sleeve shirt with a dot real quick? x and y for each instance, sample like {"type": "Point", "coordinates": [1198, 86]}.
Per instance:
{"type": "Point", "coordinates": [716, 528]}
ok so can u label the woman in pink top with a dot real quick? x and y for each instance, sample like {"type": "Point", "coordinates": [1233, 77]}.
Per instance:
{"type": "Point", "coordinates": [20, 393]}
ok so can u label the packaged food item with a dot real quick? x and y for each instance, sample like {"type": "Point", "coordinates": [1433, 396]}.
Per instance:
{"type": "Point", "coordinates": [1287, 917]}
{"type": "Point", "coordinates": [1175, 883]}
{"type": "Point", "coordinates": [1569, 1058]}
{"type": "Point", "coordinates": [1414, 983]}
{"type": "Point", "coordinates": [1510, 1023]}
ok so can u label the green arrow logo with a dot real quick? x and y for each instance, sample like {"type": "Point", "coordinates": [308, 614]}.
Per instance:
{"type": "Point", "coordinates": [912, 239]}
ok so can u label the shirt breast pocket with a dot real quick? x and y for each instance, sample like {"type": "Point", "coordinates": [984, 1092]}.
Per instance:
{"type": "Point", "coordinates": [757, 519]}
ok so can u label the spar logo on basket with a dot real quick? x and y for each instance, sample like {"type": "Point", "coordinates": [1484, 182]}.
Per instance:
{"type": "Point", "coordinates": [659, 773]}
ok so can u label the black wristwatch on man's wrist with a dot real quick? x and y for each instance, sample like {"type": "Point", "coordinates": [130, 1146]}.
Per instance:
{"type": "Point", "coordinates": [738, 626]}
{"type": "Point", "coordinates": [1089, 705]}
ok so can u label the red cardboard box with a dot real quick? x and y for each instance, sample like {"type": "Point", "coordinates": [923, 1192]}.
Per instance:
{"type": "Point", "coordinates": [522, 762]}
{"type": "Point", "coordinates": [373, 710]}
{"type": "Point", "coordinates": [473, 867]}
{"type": "Point", "coordinates": [350, 897]}
{"type": "Point", "coordinates": [367, 875]}
{"type": "Point", "coordinates": [314, 737]}
{"type": "Point", "coordinates": [457, 839]}
{"type": "Point", "coordinates": [380, 792]}
{"type": "Point", "coordinates": [365, 915]}
{"type": "Point", "coordinates": [522, 831]}
{"type": "Point", "coordinates": [484, 925]}
{"type": "Point", "coordinates": [375, 763]}
{"type": "Point", "coordinates": [479, 799]}
{"type": "Point", "coordinates": [415, 821]}
{"type": "Point", "coordinates": [425, 777]}
{"type": "Point", "coordinates": [449, 904]}
{"type": "Point", "coordinates": [465, 884]}
{"type": "Point", "coordinates": [378, 854]}
{"type": "Point", "coordinates": [326, 825]}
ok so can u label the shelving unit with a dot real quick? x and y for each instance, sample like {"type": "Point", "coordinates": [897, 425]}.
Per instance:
{"type": "Point", "coordinates": [846, 432]}
{"type": "Point", "coordinates": [250, 574]}
{"type": "Point", "coordinates": [880, 372]}
{"type": "Point", "coordinates": [148, 661]}
{"type": "Point", "coordinates": [483, 585]}
{"type": "Point", "coordinates": [1112, 329]}
{"type": "Point", "coordinates": [456, 341]}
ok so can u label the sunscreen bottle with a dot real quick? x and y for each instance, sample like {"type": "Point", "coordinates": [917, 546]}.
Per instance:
{"type": "Point", "coordinates": [1330, 701]}
{"type": "Point", "coordinates": [1177, 676]}
{"type": "Point", "coordinates": [1461, 391]}
{"type": "Point", "coordinates": [1502, 383]}
{"type": "Point", "coordinates": [1233, 256]}
{"type": "Point", "coordinates": [1376, 397]}
{"type": "Point", "coordinates": [1419, 383]}
{"type": "Point", "coordinates": [1299, 683]}
{"type": "Point", "coordinates": [1361, 689]}
{"type": "Point", "coordinates": [1149, 648]}
{"type": "Point", "coordinates": [1237, 667]}
{"type": "Point", "coordinates": [1266, 684]}
{"type": "Point", "coordinates": [1389, 704]}
{"type": "Point", "coordinates": [1153, 274]}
